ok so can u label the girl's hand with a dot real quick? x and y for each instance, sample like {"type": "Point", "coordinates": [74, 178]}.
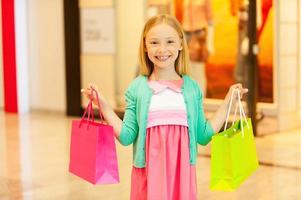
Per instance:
{"type": "Point", "coordinates": [91, 95]}
{"type": "Point", "coordinates": [238, 86]}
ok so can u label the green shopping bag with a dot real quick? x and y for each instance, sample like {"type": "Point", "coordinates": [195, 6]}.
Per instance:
{"type": "Point", "coordinates": [233, 154]}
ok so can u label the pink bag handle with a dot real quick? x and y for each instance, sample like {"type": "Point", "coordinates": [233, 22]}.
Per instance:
{"type": "Point", "coordinates": [90, 111]}
{"type": "Point", "coordinates": [98, 103]}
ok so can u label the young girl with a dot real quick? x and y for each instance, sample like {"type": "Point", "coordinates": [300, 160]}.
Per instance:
{"type": "Point", "coordinates": [164, 116]}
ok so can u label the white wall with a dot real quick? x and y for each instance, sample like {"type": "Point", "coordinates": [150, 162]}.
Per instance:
{"type": "Point", "coordinates": [1, 64]}
{"type": "Point", "coordinates": [95, 3]}
{"type": "Point", "coordinates": [46, 55]}
{"type": "Point", "coordinates": [99, 69]}
{"type": "Point", "coordinates": [130, 17]}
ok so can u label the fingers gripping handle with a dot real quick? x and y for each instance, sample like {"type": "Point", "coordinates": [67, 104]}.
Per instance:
{"type": "Point", "coordinates": [98, 104]}
{"type": "Point", "coordinates": [241, 111]}
{"type": "Point", "coordinates": [89, 109]}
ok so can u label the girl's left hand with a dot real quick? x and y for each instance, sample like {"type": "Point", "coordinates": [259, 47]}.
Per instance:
{"type": "Point", "coordinates": [238, 86]}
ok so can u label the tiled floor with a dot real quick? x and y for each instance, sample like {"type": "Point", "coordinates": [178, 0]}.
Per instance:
{"type": "Point", "coordinates": [34, 157]}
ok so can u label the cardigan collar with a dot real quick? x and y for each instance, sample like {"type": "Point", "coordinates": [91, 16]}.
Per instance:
{"type": "Point", "coordinates": [159, 86]}
{"type": "Point", "coordinates": [184, 77]}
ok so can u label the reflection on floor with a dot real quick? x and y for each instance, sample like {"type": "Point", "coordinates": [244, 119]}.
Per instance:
{"type": "Point", "coordinates": [34, 156]}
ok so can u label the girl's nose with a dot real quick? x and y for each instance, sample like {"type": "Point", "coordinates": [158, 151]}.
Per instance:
{"type": "Point", "coordinates": [162, 48]}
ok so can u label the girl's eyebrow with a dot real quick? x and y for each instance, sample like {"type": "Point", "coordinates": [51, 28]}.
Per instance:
{"type": "Point", "coordinates": [153, 38]}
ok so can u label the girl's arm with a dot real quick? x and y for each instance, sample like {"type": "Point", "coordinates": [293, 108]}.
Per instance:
{"type": "Point", "coordinates": [219, 117]}
{"type": "Point", "coordinates": [108, 113]}
{"type": "Point", "coordinates": [112, 118]}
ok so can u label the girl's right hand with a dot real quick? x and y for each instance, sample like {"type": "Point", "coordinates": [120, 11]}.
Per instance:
{"type": "Point", "coordinates": [90, 94]}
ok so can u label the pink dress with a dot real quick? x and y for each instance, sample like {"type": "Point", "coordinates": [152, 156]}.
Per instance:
{"type": "Point", "coordinates": [168, 174]}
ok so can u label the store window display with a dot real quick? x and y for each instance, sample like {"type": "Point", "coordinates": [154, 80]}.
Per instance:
{"type": "Point", "coordinates": [239, 8]}
{"type": "Point", "coordinates": [197, 22]}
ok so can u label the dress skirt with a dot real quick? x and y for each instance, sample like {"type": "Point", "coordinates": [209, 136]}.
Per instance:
{"type": "Point", "coordinates": [168, 174]}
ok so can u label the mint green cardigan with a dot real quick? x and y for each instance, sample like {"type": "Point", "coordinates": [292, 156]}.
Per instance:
{"type": "Point", "coordinates": [138, 96]}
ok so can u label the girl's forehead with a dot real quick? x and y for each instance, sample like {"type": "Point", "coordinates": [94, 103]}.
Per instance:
{"type": "Point", "coordinates": [162, 30]}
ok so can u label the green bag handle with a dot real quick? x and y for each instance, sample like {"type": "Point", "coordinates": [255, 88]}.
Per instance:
{"type": "Point", "coordinates": [241, 111]}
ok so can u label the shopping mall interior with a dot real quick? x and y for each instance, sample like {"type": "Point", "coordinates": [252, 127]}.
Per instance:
{"type": "Point", "coordinates": [51, 49]}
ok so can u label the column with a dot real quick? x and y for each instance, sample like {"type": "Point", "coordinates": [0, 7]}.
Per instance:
{"type": "Point", "coordinates": [287, 34]}
{"type": "Point", "coordinates": [15, 56]}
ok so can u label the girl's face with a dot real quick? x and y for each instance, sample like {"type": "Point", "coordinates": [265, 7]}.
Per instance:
{"type": "Point", "coordinates": [162, 45]}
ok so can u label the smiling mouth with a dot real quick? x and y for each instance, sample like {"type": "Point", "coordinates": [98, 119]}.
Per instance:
{"type": "Point", "coordinates": [162, 58]}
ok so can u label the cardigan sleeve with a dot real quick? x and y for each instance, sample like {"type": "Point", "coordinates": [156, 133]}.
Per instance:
{"type": "Point", "coordinates": [129, 130]}
{"type": "Point", "coordinates": [205, 130]}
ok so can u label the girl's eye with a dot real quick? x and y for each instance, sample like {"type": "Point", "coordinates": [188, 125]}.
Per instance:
{"type": "Point", "coordinates": [170, 41]}
{"type": "Point", "coordinates": [153, 42]}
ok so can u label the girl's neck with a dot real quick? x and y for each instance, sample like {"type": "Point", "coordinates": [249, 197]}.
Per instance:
{"type": "Point", "coordinates": [164, 74]}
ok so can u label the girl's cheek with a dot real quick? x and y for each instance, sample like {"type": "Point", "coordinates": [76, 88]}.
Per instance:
{"type": "Point", "coordinates": [153, 50]}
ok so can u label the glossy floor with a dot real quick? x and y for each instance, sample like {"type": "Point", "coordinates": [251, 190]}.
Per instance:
{"type": "Point", "coordinates": [34, 158]}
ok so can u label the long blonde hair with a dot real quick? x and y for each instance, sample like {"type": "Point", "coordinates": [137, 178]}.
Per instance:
{"type": "Point", "coordinates": [181, 63]}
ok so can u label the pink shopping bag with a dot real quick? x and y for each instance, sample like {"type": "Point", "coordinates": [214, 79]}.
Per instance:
{"type": "Point", "coordinates": [93, 151]}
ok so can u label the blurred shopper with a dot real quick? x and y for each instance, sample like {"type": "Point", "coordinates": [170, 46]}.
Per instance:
{"type": "Point", "coordinates": [239, 8]}
{"type": "Point", "coordinates": [164, 117]}
{"type": "Point", "coordinates": [197, 22]}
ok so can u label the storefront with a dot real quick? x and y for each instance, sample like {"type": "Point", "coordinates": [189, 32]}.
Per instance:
{"type": "Point", "coordinates": [112, 67]}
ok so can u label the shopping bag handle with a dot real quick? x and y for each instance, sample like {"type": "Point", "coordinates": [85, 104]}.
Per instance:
{"type": "Point", "coordinates": [98, 105]}
{"type": "Point", "coordinates": [241, 111]}
{"type": "Point", "coordinates": [90, 111]}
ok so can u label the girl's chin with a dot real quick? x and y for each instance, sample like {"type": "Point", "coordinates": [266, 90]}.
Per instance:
{"type": "Point", "coordinates": [162, 66]}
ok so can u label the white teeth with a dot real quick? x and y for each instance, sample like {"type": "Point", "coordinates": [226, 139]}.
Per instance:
{"type": "Point", "coordinates": [162, 58]}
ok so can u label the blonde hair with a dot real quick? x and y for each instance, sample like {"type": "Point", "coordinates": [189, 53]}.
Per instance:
{"type": "Point", "coordinates": [181, 63]}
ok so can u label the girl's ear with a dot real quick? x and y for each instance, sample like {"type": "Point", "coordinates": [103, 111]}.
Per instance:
{"type": "Point", "coordinates": [181, 47]}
